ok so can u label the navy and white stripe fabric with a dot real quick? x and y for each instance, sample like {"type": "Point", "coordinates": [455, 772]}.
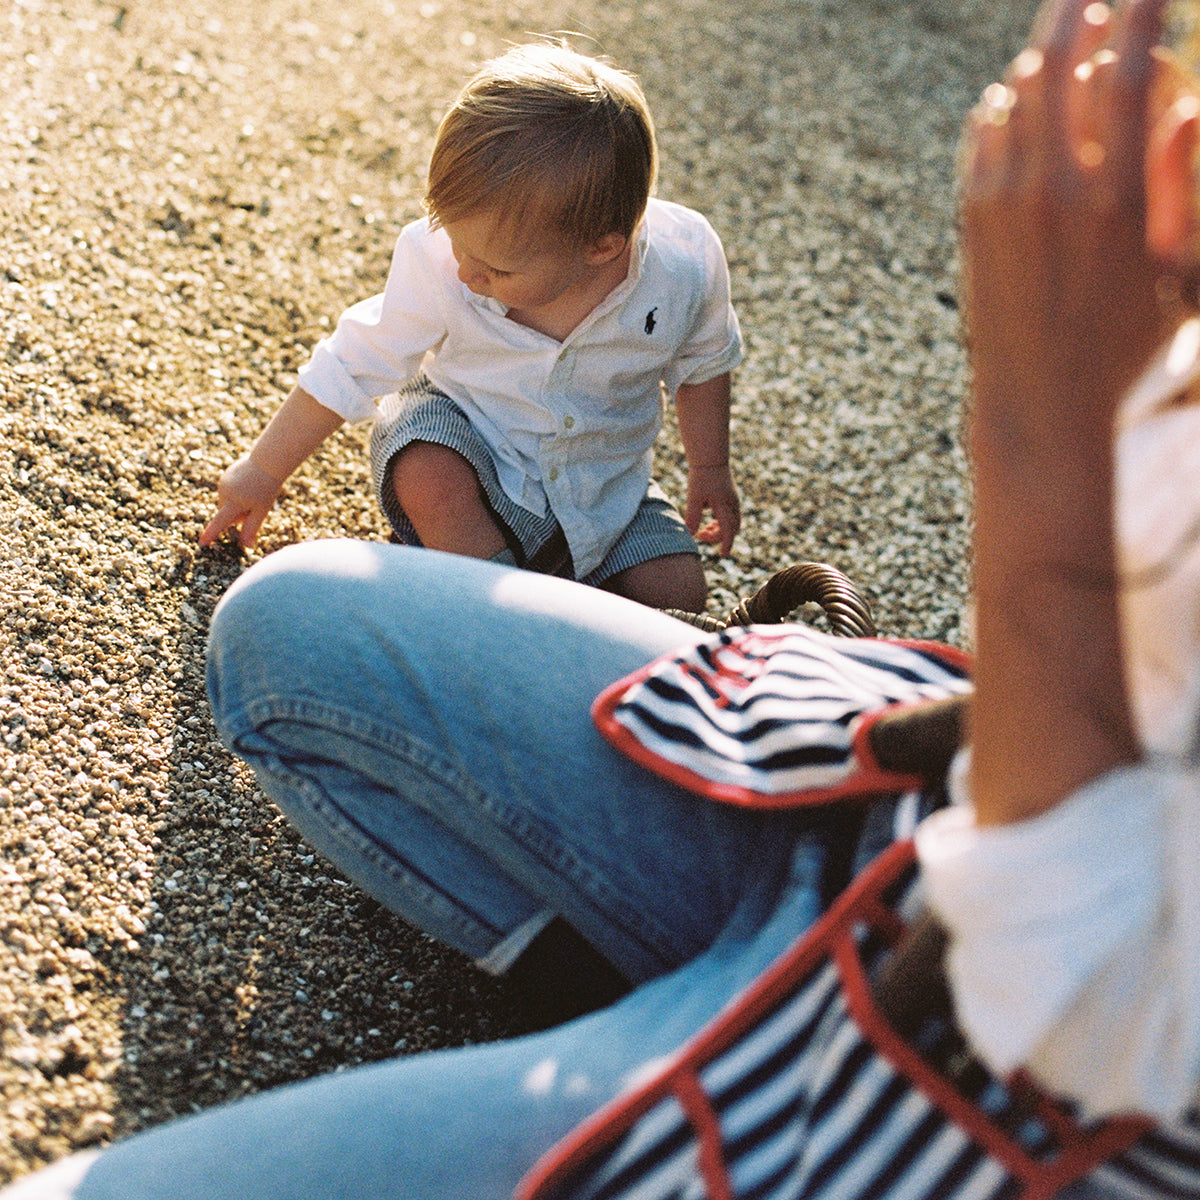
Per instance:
{"type": "Point", "coordinates": [1166, 1162]}
{"type": "Point", "coordinates": [808, 1110]}
{"type": "Point", "coordinates": [803, 1105]}
{"type": "Point", "coordinates": [769, 716]}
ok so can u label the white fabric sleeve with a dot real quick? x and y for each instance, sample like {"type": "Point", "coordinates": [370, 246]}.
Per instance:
{"type": "Point", "coordinates": [1074, 943]}
{"type": "Point", "coordinates": [379, 342]}
{"type": "Point", "coordinates": [715, 345]}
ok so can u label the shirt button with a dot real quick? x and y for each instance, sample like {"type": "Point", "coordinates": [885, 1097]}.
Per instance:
{"type": "Point", "coordinates": [568, 422]}
{"type": "Point", "coordinates": [553, 474]}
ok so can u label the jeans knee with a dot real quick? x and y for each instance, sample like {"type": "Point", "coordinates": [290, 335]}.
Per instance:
{"type": "Point", "coordinates": [273, 613]}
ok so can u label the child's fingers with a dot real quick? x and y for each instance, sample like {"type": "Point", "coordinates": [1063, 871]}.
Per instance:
{"type": "Point", "coordinates": [729, 517]}
{"type": "Point", "coordinates": [228, 515]}
{"type": "Point", "coordinates": [718, 533]}
{"type": "Point", "coordinates": [250, 527]}
{"type": "Point", "coordinates": [723, 503]}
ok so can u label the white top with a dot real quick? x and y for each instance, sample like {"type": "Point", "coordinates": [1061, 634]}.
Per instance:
{"type": "Point", "coordinates": [1076, 936]}
{"type": "Point", "coordinates": [570, 424]}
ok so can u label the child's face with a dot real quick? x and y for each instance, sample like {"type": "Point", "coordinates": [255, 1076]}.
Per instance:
{"type": "Point", "coordinates": [522, 275]}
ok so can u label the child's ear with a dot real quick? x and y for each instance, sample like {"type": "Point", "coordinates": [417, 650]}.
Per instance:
{"type": "Point", "coordinates": [605, 249]}
{"type": "Point", "coordinates": [1172, 214]}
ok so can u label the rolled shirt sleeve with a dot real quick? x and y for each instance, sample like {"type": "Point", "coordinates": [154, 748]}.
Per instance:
{"type": "Point", "coordinates": [1073, 938]}
{"type": "Point", "coordinates": [379, 342]}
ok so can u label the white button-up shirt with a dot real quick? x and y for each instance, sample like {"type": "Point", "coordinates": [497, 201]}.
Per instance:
{"type": "Point", "coordinates": [571, 425]}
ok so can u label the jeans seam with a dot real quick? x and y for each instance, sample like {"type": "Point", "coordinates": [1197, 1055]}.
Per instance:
{"type": "Point", "coordinates": [652, 942]}
{"type": "Point", "coordinates": [348, 831]}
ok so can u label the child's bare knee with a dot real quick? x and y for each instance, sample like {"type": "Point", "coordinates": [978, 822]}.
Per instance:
{"type": "Point", "coordinates": [428, 478]}
{"type": "Point", "coordinates": [440, 494]}
{"type": "Point", "coordinates": [689, 582]}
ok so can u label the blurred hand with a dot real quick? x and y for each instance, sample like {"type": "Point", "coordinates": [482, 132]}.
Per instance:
{"type": "Point", "coordinates": [1062, 297]}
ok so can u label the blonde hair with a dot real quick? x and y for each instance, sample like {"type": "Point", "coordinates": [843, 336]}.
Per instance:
{"type": "Point", "coordinates": [545, 135]}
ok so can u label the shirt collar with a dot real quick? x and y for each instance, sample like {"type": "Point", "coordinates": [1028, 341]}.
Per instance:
{"type": "Point", "coordinates": [641, 247]}
{"type": "Point", "coordinates": [637, 259]}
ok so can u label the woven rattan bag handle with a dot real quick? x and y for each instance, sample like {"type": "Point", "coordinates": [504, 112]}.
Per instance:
{"type": "Point", "coordinates": [845, 607]}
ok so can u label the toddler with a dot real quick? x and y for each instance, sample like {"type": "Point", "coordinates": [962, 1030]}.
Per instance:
{"type": "Point", "coordinates": [531, 323]}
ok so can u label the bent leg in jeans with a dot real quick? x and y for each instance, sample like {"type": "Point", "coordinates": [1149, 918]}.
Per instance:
{"type": "Point", "coordinates": [423, 719]}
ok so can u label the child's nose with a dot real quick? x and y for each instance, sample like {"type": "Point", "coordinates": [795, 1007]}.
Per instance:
{"type": "Point", "coordinates": [471, 273]}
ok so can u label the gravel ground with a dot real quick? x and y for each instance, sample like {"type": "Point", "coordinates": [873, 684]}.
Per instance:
{"type": "Point", "coordinates": [189, 194]}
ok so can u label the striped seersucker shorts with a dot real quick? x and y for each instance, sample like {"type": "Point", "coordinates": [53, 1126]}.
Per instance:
{"type": "Point", "coordinates": [421, 412]}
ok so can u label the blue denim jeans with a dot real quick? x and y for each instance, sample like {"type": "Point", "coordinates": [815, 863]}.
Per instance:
{"type": "Point", "coordinates": [424, 720]}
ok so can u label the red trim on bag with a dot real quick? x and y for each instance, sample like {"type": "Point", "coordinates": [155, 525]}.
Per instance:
{"type": "Point", "coordinates": [1081, 1150]}
{"type": "Point", "coordinates": [698, 1109]}
{"type": "Point", "coordinates": [865, 780]}
{"type": "Point", "coordinates": [832, 937]}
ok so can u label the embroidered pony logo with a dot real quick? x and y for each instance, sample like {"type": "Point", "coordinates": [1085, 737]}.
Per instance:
{"type": "Point", "coordinates": [650, 319]}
